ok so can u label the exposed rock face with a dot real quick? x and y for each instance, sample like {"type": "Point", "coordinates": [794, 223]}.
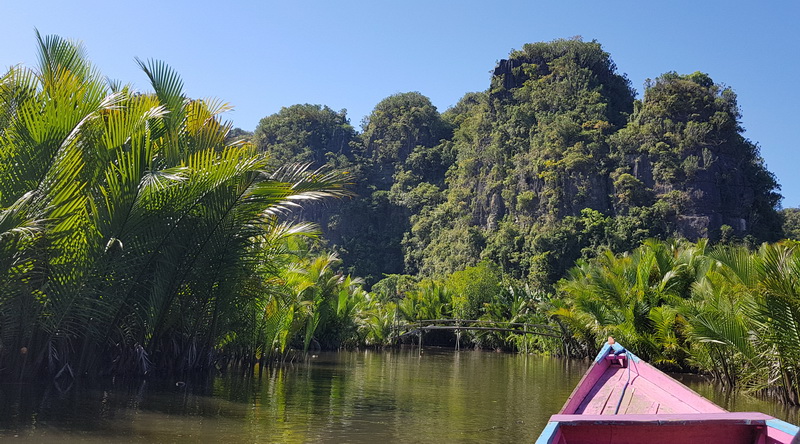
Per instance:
{"type": "Point", "coordinates": [554, 161]}
{"type": "Point", "coordinates": [550, 108]}
{"type": "Point", "coordinates": [691, 154]}
{"type": "Point", "coordinates": [561, 131]}
{"type": "Point", "coordinates": [505, 72]}
{"type": "Point", "coordinates": [717, 194]}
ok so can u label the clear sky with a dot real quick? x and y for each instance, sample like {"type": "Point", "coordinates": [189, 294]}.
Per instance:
{"type": "Point", "coordinates": [263, 55]}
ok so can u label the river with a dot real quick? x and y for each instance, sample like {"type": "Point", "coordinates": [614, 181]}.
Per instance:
{"type": "Point", "coordinates": [384, 397]}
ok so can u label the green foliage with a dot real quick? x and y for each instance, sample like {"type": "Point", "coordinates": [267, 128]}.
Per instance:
{"type": "Point", "coordinates": [728, 311]}
{"type": "Point", "coordinates": [791, 223]}
{"type": "Point", "coordinates": [402, 165]}
{"type": "Point", "coordinates": [513, 174]}
{"type": "Point", "coordinates": [557, 135]}
{"type": "Point", "coordinates": [305, 134]}
{"type": "Point", "coordinates": [474, 287]}
{"type": "Point", "coordinates": [397, 166]}
{"type": "Point", "coordinates": [684, 135]}
{"type": "Point", "coordinates": [398, 125]}
{"type": "Point", "coordinates": [237, 135]}
{"type": "Point", "coordinates": [394, 287]}
{"type": "Point", "coordinates": [139, 233]}
{"type": "Point", "coordinates": [476, 294]}
{"type": "Point", "coordinates": [629, 297]}
{"type": "Point", "coordinates": [429, 300]}
{"type": "Point", "coordinates": [135, 239]}
{"type": "Point", "coordinates": [541, 127]}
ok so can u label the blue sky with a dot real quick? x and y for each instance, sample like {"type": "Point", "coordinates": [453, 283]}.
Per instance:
{"type": "Point", "coordinates": [262, 55]}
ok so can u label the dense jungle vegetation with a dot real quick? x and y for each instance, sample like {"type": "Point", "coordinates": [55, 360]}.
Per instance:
{"type": "Point", "coordinates": [141, 235]}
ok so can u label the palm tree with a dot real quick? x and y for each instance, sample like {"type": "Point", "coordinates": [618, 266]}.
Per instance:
{"type": "Point", "coordinates": [631, 297]}
{"type": "Point", "coordinates": [779, 316]}
{"type": "Point", "coordinates": [132, 226]}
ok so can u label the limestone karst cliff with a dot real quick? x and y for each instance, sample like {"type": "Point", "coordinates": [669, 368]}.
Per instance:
{"type": "Point", "coordinates": [557, 159]}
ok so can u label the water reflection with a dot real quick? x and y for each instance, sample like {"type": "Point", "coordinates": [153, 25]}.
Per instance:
{"type": "Point", "coordinates": [394, 396]}
{"type": "Point", "coordinates": [739, 402]}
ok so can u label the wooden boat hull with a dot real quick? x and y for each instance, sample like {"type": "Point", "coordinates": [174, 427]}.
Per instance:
{"type": "Point", "coordinates": [622, 399]}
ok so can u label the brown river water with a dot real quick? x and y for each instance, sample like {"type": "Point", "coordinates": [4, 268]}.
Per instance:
{"type": "Point", "coordinates": [384, 397]}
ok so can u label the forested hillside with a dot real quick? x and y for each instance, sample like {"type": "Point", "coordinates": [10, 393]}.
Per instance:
{"type": "Point", "coordinates": [556, 160]}
{"type": "Point", "coordinates": [140, 235]}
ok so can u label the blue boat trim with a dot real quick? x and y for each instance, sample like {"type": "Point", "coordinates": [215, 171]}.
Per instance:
{"type": "Point", "coordinates": [616, 347]}
{"type": "Point", "coordinates": [603, 352]}
{"type": "Point", "coordinates": [783, 426]}
{"type": "Point", "coordinates": [548, 434]}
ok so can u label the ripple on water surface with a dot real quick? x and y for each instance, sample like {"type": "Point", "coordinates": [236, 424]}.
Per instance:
{"type": "Point", "coordinates": [355, 397]}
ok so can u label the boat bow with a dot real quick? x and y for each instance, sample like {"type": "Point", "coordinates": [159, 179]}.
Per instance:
{"type": "Point", "coordinates": [623, 399]}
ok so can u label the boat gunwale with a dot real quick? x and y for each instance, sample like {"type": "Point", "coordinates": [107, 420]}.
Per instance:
{"type": "Point", "coordinates": [598, 361]}
{"type": "Point", "coordinates": [778, 430]}
{"type": "Point", "coordinates": [601, 364]}
{"type": "Point", "coordinates": [748, 418]}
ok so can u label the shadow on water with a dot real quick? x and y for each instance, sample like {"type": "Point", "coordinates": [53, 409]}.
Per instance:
{"type": "Point", "coordinates": [357, 397]}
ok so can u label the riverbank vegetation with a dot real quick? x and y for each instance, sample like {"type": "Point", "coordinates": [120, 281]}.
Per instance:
{"type": "Point", "coordinates": [726, 310]}
{"type": "Point", "coordinates": [142, 235]}
{"type": "Point", "coordinates": [134, 239]}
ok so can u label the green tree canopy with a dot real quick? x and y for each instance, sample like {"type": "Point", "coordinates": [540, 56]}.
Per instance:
{"type": "Point", "coordinates": [684, 143]}
{"type": "Point", "coordinates": [305, 134]}
{"type": "Point", "coordinates": [791, 223]}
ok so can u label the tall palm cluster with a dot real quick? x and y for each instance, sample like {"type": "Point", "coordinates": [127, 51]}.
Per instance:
{"type": "Point", "coordinates": [133, 237]}
{"type": "Point", "coordinates": [728, 311]}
